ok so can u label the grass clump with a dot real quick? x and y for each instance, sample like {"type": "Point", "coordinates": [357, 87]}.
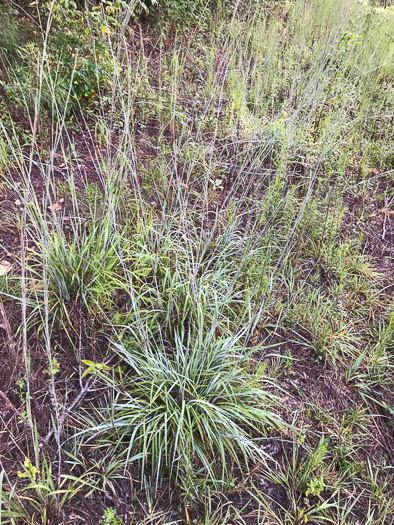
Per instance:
{"type": "Point", "coordinates": [80, 271]}
{"type": "Point", "coordinates": [192, 412]}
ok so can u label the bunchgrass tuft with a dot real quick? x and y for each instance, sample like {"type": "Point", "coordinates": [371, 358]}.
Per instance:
{"type": "Point", "coordinates": [193, 412]}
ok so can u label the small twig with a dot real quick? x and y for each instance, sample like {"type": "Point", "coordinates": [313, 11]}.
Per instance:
{"type": "Point", "coordinates": [8, 331]}
{"type": "Point", "coordinates": [386, 214]}
{"type": "Point", "coordinates": [13, 408]}
{"type": "Point", "coordinates": [43, 165]}
{"type": "Point", "coordinates": [383, 442]}
{"type": "Point", "coordinates": [372, 178]}
{"type": "Point", "coordinates": [69, 409]}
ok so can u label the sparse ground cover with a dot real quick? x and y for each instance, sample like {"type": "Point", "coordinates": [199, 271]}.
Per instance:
{"type": "Point", "coordinates": [196, 263]}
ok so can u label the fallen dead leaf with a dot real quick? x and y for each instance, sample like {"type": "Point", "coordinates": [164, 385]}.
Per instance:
{"type": "Point", "coordinates": [37, 285]}
{"type": "Point", "coordinates": [5, 267]}
{"type": "Point", "coordinates": [187, 516]}
{"type": "Point", "coordinates": [60, 201]}
{"type": "Point", "coordinates": [55, 206]}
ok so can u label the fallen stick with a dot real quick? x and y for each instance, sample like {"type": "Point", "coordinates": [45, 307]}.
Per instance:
{"type": "Point", "coordinates": [6, 326]}
{"type": "Point", "coordinates": [79, 397]}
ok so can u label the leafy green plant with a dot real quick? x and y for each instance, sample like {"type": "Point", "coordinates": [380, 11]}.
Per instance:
{"type": "Point", "coordinates": [79, 45]}
{"type": "Point", "coordinates": [315, 486]}
{"type": "Point", "coordinates": [75, 64]}
{"type": "Point", "coordinates": [43, 495]}
{"type": "Point", "coordinates": [55, 365]}
{"type": "Point", "coordinates": [29, 471]}
{"type": "Point", "coordinates": [92, 367]}
{"type": "Point", "coordinates": [10, 33]}
{"type": "Point", "coordinates": [110, 517]}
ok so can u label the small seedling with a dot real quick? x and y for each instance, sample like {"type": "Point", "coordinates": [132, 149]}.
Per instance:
{"type": "Point", "coordinates": [55, 367]}
{"type": "Point", "coordinates": [110, 517]}
{"type": "Point", "coordinates": [29, 470]}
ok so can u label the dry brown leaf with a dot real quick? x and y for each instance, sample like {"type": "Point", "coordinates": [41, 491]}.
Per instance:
{"type": "Point", "coordinates": [60, 201]}
{"type": "Point", "coordinates": [5, 267]}
{"type": "Point", "coordinates": [55, 206]}
{"type": "Point", "coordinates": [37, 285]}
{"type": "Point", "coordinates": [385, 210]}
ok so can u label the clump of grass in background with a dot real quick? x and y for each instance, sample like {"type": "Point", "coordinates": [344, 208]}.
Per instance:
{"type": "Point", "coordinates": [84, 268]}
